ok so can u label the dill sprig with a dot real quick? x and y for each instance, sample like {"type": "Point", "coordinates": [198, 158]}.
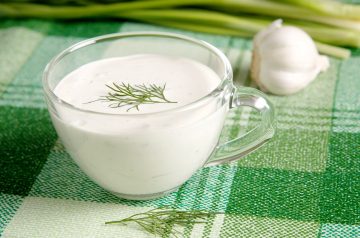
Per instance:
{"type": "Point", "coordinates": [121, 95]}
{"type": "Point", "coordinates": [163, 221]}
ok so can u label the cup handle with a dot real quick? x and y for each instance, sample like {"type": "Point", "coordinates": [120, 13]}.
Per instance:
{"type": "Point", "coordinates": [237, 148]}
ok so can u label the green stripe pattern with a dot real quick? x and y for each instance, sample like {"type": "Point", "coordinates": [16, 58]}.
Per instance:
{"type": "Point", "coordinates": [304, 183]}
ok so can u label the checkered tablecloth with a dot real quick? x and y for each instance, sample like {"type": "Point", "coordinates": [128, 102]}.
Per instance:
{"type": "Point", "coordinates": [303, 183]}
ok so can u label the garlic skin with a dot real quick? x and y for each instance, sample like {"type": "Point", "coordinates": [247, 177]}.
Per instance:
{"type": "Point", "coordinates": [285, 59]}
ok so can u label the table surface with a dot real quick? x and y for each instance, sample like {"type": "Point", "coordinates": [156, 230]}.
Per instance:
{"type": "Point", "coordinates": [304, 183]}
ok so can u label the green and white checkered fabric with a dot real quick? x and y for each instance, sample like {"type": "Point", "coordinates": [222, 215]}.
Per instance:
{"type": "Point", "coordinates": [303, 183]}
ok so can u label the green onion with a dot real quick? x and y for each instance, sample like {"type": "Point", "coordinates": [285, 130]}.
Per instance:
{"type": "Point", "coordinates": [200, 28]}
{"type": "Point", "coordinates": [281, 10]}
{"type": "Point", "coordinates": [330, 8]}
{"type": "Point", "coordinates": [19, 10]}
{"type": "Point", "coordinates": [327, 49]}
{"type": "Point", "coordinates": [209, 18]}
{"type": "Point", "coordinates": [330, 50]}
{"type": "Point", "coordinates": [249, 24]}
{"type": "Point", "coordinates": [331, 23]}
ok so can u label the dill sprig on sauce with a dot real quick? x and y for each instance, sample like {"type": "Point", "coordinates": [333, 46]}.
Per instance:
{"type": "Point", "coordinates": [163, 221]}
{"type": "Point", "coordinates": [121, 95]}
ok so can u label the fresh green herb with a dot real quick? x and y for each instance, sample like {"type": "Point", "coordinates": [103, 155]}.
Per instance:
{"type": "Point", "coordinates": [245, 26]}
{"type": "Point", "coordinates": [121, 95]}
{"type": "Point", "coordinates": [164, 221]}
{"type": "Point", "coordinates": [329, 7]}
{"type": "Point", "coordinates": [333, 24]}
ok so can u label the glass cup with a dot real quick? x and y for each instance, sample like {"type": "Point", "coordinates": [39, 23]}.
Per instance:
{"type": "Point", "coordinates": [155, 152]}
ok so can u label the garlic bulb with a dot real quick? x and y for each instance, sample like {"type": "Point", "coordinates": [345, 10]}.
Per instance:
{"type": "Point", "coordinates": [285, 59]}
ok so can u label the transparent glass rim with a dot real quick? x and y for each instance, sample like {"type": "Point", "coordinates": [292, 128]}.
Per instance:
{"type": "Point", "coordinates": [225, 79]}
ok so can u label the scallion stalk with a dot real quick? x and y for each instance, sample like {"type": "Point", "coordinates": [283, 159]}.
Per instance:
{"type": "Point", "coordinates": [331, 50]}
{"type": "Point", "coordinates": [335, 36]}
{"type": "Point", "coordinates": [329, 7]}
{"type": "Point", "coordinates": [200, 28]}
{"type": "Point", "coordinates": [19, 10]}
{"type": "Point", "coordinates": [326, 21]}
{"type": "Point", "coordinates": [323, 48]}
{"type": "Point", "coordinates": [282, 10]}
{"type": "Point", "coordinates": [199, 16]}
{"type": "Point", "coordinates": [263, 7]}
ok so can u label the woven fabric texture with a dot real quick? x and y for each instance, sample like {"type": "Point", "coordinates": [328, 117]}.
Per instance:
{"type": "Point", "coordinates": [304, 183]}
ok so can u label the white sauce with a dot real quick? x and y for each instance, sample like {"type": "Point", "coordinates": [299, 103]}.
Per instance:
{"type": "Point", "coordinates": [147, 154]}
{"type": "Point", "coordinates": [186, 81]}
